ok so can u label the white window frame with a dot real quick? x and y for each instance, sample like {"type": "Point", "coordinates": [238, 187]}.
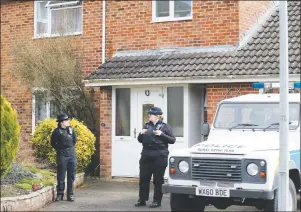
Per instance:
{"type": "Point", "coordinates": [68, 3]}
{"type": "Point", "coordinates": [48, 20]}
{"type": "Point", "coordinates": [171, 13]}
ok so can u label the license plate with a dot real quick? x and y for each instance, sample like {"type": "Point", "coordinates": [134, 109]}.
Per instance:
{"type": "Point", "coordinates": [213, 192]}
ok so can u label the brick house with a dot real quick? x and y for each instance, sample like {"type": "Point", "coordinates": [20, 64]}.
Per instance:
{"type": "Point", "coordinates": [183, 56]}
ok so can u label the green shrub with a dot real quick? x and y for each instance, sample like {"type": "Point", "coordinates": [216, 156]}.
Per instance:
{"type": "Point", "coordinates": [24, 186]}
{"type": "Point", "coordinates": [30, 181]}
{"type": "Point", "coordinates": [32, 169]}
{"type": "Point", "coordinates": [10, 136]}
{"type": "Point", "coordinates": [45, 181]}
{"type": "Point", "coordinates": [84, 147]}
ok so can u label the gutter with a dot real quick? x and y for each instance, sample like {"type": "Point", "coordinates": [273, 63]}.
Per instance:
{"type": "Point", "coordinates": [103, 51]}
{"type": "Point", "coordinates": [185, 80]}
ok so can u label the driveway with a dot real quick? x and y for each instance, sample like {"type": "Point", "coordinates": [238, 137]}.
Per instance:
{"type": "Point", "coordinates": [114, 195]}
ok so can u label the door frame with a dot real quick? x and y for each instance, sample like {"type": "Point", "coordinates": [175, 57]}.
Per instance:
{"type": "Point", "coordinates": [133, 102]}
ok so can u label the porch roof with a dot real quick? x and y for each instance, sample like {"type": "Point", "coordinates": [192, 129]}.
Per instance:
{"type": "Point", "coordinates": [259, 57]}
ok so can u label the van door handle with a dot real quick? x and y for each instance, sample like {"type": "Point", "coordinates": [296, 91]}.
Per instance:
{"type": "Point", "coordinates": [135, 132]}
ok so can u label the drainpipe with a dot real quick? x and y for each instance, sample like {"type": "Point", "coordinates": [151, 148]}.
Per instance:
{"type": "Point", "coordinates": [103, 31]}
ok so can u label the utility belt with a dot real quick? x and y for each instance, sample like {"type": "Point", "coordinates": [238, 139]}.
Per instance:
{"type": "Point", "coordinates": [66, 151]}
{"type": "Point", "coordinates": [154, 147]}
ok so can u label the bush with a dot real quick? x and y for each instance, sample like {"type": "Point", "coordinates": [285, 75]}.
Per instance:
{"type": "Point", "coordinates": [24, 186]}
{"type": "Point", "coordinates": [16, 174]}
{"type": "Point", "coordinates": [84, 147]}
{"type": "Point", "coordinates": [10, 136]}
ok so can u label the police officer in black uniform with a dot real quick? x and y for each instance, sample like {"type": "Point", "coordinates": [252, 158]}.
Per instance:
{"type": "Point", "coordinates": [155, 137]}
{"type": "Point", "coordinates": [63, 140]}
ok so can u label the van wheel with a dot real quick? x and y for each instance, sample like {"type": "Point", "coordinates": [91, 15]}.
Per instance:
{"type": "Point", "coordinates": [182, 202]}
{"type": "Point", "coordinates": [272, 205]}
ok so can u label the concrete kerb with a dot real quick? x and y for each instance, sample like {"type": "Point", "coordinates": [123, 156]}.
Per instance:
{"type": "Point", "coordinates": [35, 200]}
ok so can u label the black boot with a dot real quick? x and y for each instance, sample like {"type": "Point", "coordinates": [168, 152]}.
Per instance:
{"type": "Point", "coordinates": [140, 203]}
{"type": "Point", "coordinates": [70, 198]}
{"type": "Point", "coordinates": [155, 204]}
{"type": "Point", "coordinates": [59, 197]}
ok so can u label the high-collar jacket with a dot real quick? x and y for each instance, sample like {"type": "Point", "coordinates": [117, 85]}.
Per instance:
{"type": "Point", "coordinates": [153, 144]}
{"type": "Point", "coordinates": [63, 138]}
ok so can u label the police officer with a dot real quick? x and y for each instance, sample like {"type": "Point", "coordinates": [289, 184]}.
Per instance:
{"type": "Point", "coordinates": [63, 140]}
{"type": "Point", "coordinates": [155, 137]}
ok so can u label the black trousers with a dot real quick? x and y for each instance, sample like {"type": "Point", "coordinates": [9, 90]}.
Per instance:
{"type": "Point", "coordinates": [65, 163]}
{"type": "Point", "coordinates": [156, 166]}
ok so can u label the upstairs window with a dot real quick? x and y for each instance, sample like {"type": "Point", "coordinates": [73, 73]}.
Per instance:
{"type": "Point", "coordinates": [54, 18]}
{"type": "Point", "coordinates": [172, 10]}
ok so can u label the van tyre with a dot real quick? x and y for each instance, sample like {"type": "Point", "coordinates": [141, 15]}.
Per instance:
{"type": "Point", "coordinates": [272, 205]}
{"type": "Point", "coordinates": [182, 202]}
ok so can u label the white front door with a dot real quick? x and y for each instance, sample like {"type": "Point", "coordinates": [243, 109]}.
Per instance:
{"type": "Point", "coordinates": [147, 98]}
{"type": "Point", "coordinates": [125, 148]}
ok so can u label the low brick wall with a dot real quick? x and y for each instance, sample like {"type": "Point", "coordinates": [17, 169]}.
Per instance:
{"type": "Point", "coordinates": [35, 200]}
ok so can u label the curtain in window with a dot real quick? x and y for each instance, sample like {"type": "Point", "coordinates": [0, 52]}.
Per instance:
{"type": "Point", "coordinates": [182, 8]}
{"type": "Point", "coordinates": [162, 8]}
{"type": "Point", "coordinates": [67, 20]}
{"type": "Point", "coordinates": [42, 18]}
{"type": "Point", "coordinates": [40, 108]}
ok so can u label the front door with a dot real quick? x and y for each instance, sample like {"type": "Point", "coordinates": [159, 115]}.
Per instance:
{"type": "Point", "coordinates": [126, 149]}
{"type": "Point", "coordinates": [147, 98]}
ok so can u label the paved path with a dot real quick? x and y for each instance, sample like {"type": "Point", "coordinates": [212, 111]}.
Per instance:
{"type": "Point", "coordinates": [110, 195]}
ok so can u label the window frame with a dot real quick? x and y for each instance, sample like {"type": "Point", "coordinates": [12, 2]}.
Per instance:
{"type": "Point", "coordinates": [60, 6]}
{"type": "Point", "coordinates": [171, 17]}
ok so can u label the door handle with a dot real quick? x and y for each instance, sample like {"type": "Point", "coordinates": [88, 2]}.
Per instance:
{"type": "Point", "coordinates": [135, 132]}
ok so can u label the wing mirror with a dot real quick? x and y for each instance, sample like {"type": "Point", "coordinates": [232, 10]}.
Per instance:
{"type": "Point", "coordinates": [206, 129]}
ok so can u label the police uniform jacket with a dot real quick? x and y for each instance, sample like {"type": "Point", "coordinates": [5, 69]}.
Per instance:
{"type": "Point", "coordinates": [154, 145]}
{"type": "Point", "coordinates": [63, 140]}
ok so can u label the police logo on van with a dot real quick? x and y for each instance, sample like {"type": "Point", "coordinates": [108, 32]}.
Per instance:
{"type": "Point", "coordinates": [219, 148]}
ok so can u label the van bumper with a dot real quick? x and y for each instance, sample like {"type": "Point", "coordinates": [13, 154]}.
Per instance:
{"type": "Point", "coordinates": [242, 193]}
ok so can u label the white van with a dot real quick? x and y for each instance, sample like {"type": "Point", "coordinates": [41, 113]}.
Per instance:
{"type": "Point", "coordinates": [238, 163]}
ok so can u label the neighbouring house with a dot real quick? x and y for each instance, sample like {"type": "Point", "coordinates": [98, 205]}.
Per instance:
{"type": "Point", "coordinates": [183, 56]}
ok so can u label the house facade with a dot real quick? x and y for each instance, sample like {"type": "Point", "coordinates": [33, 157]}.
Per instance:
{"type": "Point", "coordinates": [34, 21]}
{"type": "Point", "coordinates": [182, 56]}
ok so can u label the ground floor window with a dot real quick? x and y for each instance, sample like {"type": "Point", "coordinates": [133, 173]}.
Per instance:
{"type": "Point", "coordinates": [43, 108]}
{"type": "Point", "coordinates": [175, 110]}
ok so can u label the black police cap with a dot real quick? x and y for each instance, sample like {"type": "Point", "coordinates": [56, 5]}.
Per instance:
{"type": "Point", "coordinates": [155, 111]}
{"type": "Point", "coordinates": [62, 117]}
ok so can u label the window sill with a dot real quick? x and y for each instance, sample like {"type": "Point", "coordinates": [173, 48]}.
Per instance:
{"type": "Point", "coordinates": [158, 20]}
{"type": "Point", "coordinates": [55, 35]}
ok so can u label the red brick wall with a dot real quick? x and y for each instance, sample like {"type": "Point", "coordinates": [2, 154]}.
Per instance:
{"type": "Point", "coordinates": [218, 92]}
{"type": "Point", "coordinates": [249, 12]}
{"type": "Point", "coordinates": [130, 26]}
{"type": "Point", "coordinates": [92, 35]}
{"type": "Point", "coordinates": [17, 22]}
{"type": "Point", "coordinates": [105, 102]}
